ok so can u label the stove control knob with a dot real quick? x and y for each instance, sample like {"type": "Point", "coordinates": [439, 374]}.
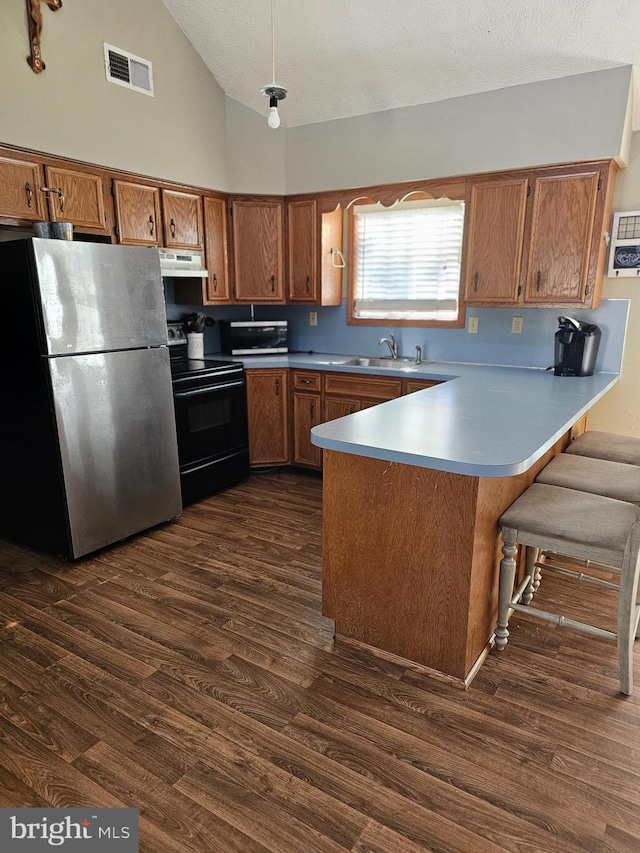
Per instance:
{"type": "Point", "coordinates": [171, 334]}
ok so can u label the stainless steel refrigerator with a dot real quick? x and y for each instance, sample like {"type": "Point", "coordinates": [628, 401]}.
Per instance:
{"type": "Point", "coordinates": [87, 426]}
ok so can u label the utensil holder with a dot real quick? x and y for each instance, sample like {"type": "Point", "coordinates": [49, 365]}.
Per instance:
{"type": "Point", "coordinates": [42, 229]}
{"type": "Point", "coordinates": [62, 230]}
{"type": "Point", "coordinates": [195, 344]}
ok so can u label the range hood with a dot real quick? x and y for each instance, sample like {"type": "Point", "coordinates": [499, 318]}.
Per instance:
{"type": "Point", "coordinates": [181, 263]}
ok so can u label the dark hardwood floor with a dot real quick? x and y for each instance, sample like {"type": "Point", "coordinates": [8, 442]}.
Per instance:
{"type": "Point", "coordinates": [189, 673]}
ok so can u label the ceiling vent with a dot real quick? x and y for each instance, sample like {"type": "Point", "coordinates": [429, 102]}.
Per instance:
{"type": "Point", "coordinates": [128, 70]}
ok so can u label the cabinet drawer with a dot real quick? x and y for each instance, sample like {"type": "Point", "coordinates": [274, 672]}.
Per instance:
{"type": "Point", "coordinates": [306, 380]}
{"type": "Point", "coordinates": [412, 385]}
{"type": "Point", "coordinates": [362, 386]}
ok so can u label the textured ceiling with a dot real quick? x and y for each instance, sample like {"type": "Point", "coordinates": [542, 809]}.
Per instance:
{"type": "Point", "coordinates": [342, 58]}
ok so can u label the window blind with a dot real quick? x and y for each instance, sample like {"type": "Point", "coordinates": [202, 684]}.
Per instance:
{"type": "Point", "coordinates": [407, 260]}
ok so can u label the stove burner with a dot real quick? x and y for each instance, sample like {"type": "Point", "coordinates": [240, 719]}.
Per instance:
{"type": "Point", "coordinates": [182, 366]}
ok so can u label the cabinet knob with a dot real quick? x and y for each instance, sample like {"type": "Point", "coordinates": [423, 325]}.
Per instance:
{"type": "Point", "coordinates": [152, 225]}
{"type": "Point", "coordinates": [538, 279]}
{"type": "Point", "coordinates": [29, 191]}
{"type": "Point", "coordinates": [475, 282]}
{"type": "Point", "coordinates": [273, 284]}
{"type": "Point", "coordinates": [313, 408]}
{"type": "Point", "coordinates": [215, 283]}
{"type": "Point", "coordinates": [172, 225]}
{"type": "Point", "coordinates": [308, 283]}
{"type": "Point", "coordinates": [277, 387]}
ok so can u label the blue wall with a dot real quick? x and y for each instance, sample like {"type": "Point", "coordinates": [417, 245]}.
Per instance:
{"type": "Point", "coordinates": [493, 344]}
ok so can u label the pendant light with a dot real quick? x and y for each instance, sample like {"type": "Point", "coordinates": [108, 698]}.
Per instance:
{"type": "Point", "coordinates": [274, 92]}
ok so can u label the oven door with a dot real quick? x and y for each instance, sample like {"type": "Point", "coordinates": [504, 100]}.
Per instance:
{"type": "Point", "coordinates": [211, 421]}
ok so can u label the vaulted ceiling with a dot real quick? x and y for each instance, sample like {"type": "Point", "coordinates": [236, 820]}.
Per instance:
{"type": "Point", "coordinates": [342, 58]}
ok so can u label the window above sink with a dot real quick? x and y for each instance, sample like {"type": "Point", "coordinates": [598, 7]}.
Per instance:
{"type": "Point", "coordinates": [405, 262]}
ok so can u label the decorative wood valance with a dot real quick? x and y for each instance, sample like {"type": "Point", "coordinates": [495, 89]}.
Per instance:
{"type": "Point", "coordinates": [34, 13]}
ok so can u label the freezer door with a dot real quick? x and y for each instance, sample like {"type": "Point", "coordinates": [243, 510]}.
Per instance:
{"type": "Point", "coordinates": [96, 297]}
{"type": "Point", "coordinates": [117, 435]}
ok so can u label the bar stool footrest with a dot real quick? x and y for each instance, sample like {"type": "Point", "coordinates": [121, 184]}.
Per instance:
{"type": "Point", "coordinates": [578, 576]}
{"type": "Point", "coordinates": [564, 622]}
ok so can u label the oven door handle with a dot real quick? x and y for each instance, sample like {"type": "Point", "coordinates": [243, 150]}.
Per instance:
{"type": "Point", "coordinates": [209, 389]}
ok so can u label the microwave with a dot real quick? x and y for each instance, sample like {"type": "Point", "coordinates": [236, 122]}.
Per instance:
{"type": "Point", "coordinates": [253, 337]}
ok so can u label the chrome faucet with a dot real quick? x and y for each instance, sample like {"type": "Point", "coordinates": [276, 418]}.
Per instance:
{"type": "Point", "coordinates": [391, 343]}
{"type": "Point", "coordinates": [418, 355]}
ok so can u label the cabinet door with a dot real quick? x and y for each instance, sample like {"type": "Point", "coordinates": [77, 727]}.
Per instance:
{"type": "Point", "coordinates": [137, 213]}
{"type": "Point", "coordinates": [216, 250]}
{"type": "Point", "coordinates": [412, 385]}
{"type": "Point", "coordinates": [258, 251]}
{"type": "Point", "coordinates": [76, 196]}
{"type": "Point", "coordinates": [306, 414]}
{"type": "Point", "coordinates": [495, 231]}
{"type": "Point", "coordinates": [267, 395]}
{"type": "Point", "coordinates": [562, 221]}
{"type": "Point", "coordinates": [20, 196]}
{"type": "Point", "coordinates": [182, 219]}
{"type": "Point", "coordinates": [302, 234]}
{"type": "Point", "coordinates": [331, 258]}
{"type": "Point", "coordinates": [338, 407]}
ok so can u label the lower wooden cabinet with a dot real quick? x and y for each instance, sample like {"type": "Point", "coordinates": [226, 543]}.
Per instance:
{"type": "Point", "coordinates": [307, 413]}
{"type": "Point", "coordinates": [365, 390]}
{"type": "Point", "coordinates": [411, 385]}
{"type": "Point", "coordinates": [268, 403]}
{"type": "Point", "coordinates": [315, 397]}
{"type": "Point", "coordinates": [339, 407]}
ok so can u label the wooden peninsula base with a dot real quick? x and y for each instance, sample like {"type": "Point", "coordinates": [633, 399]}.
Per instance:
{"type": "Point", "coordinates": [410, 563]}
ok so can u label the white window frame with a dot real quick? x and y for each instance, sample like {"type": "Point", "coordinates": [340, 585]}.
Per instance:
{"type": "Point", "coordinates": [450, 312]}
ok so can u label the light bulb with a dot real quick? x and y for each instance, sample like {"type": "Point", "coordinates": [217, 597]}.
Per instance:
{"type": "Point", "coordinates": [274, 119]}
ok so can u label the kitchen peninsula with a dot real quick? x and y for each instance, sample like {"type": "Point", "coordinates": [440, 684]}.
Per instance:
{"type": "Point", "coordinates": [413, 490]}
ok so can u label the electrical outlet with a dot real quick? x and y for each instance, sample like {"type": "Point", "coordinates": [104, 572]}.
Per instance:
{"type": "Point", "coordinates": [472, 328]}
{"type": "Point", "coordinates": [313, 318]}
{"type": "Point", "coordinates": [516, 325]}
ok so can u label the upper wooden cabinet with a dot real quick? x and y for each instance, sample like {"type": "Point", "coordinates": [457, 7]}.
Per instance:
{"type": "Point", "coordinates": [137, 209]}
{"type": "Point", "coordinates": [538, 237]}
{"type": "Point", "coordinates": [216, 251]}
{"type": "Point", "coordinates": [182, 219]}
{"type": "Point", "coordinates": [495, 231]}
{"type": "Point", "coordinates": [302, 236]}
{"type": "Point", "coordinates": [20, 182]}
{"type": "Point", "coordinates": [562, 220]}
{"type": "Point", "coordinates": [258, 250]}
{"type": "Point", "coordinates": [76, 196]}
{"type": "Point", "coordinates": [314, 242]}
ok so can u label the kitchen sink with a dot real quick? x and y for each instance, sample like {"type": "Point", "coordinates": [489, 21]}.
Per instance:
{"type": "Point", "coordinates": [386, 363]}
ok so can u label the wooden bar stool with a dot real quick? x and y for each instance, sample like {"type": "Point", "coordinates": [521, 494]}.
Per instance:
{"type": "Point", "coordinates": [585, 474]}
{"type": "Point", "coordinates": [607, 445]}
{"type": "Point", "coordinates": [597, 476]}
{"type": "Point", "coordinates": [586, 527]}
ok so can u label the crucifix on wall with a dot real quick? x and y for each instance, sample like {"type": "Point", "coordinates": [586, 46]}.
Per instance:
{"type": "Point", "coordinates": [34, 13]}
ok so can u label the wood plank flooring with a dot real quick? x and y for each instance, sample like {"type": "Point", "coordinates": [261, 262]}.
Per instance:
{"type": "Point", "coordinates": [189, 672]}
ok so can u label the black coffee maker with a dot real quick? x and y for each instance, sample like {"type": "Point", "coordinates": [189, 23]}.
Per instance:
{"type": "Point", "coordinates": [576, 347]}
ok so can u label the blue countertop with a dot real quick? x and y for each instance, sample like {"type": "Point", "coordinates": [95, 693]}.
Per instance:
{"type": "Point", "coordinates": [484, 420]}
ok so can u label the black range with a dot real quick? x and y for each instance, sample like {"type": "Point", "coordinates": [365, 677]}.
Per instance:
{"type": "Point", "coordinates": [211, 417]}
